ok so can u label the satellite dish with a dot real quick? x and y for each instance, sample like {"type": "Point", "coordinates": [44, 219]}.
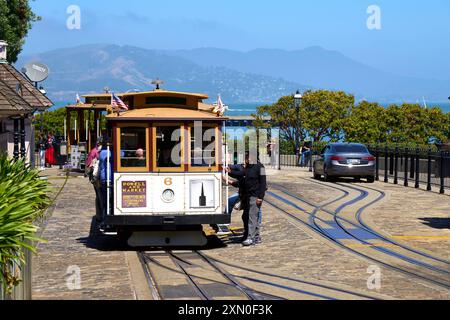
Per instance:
{"type": "Point", "coordinates": [36, 71]}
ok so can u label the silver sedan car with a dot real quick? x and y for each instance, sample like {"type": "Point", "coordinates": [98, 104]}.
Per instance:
{"type": "Point", "coordinates": [345, 160]}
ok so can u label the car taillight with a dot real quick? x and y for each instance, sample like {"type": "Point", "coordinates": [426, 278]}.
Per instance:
{"type": "Point", "coordinates": [336, 158]}
{"type": "Point", "coordinates": [371, 158]}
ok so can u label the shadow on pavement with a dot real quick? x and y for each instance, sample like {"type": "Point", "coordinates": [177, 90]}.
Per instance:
{"type": "Point", "coordinates": [437, 223]}
{"type": "Point", "coordinates": [102, 242]}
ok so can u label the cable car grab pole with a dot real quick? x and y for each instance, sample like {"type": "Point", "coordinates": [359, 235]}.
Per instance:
{"type": "Point", "coordinates": [108, 184]}
{"type": "Point", "coordinates": [226, 166]}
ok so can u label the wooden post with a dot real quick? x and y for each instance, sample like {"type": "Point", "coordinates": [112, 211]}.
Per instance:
{"type": "Point", "coordinates": [23, 148]}
{"type": "Point", "coordinates": [16, 138]}
{"type": "Point", "coordinates": [97, 123]}
{"type": "Point", "coordinates": [80, 126]}
{"type": "Point", "coordinates": [89, 138]}
{"type": "Point", "coordinates": [68, 123]}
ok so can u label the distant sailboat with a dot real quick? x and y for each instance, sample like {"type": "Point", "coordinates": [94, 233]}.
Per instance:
{"type": "Point", "coordinates": [425, 103]}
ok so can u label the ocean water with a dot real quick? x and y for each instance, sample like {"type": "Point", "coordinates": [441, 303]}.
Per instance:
{"type": "Point", "coordinates": [246, 109]}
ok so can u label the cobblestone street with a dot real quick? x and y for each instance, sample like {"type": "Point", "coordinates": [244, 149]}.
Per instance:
{"type": "Point", "coordinates": [291, 255]}
{"type": "Point", "coordinates": [104, 271]}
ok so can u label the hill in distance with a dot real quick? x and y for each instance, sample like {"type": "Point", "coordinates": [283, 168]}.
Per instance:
{"type": "Point", "coordinates": [321, 68]}
{"type": "Point", "coordinates": [90, 68]}
{"type": "Point", "coordinates": [257, 76]}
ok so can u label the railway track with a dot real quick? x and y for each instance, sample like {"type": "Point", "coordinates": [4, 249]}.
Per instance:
{"type": "Point", "coordinates": [398, 257]}
{"type": "Point", "coordinates": [197, 276]}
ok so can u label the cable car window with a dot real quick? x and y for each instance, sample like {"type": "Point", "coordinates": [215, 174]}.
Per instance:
{"type": "Point", "coordinates": [133, 147]}
{"type": "Point", "coordinates": [203, 146]}
{"type": "Point", "coordinates": [168, 147]}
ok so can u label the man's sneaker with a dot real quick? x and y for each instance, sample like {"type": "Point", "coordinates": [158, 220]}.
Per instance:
{"type": "Point", "coordinates": [223, 230]}
{"type": "Point", "coordinates": [247, 243]}
{"type": "Point", "coordinates": [258, 240]}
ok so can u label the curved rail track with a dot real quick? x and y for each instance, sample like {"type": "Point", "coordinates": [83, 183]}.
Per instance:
{"type": "Point", "coordinates": [185, 263]}
{"type": "Point", "coordinates": [431, 273]}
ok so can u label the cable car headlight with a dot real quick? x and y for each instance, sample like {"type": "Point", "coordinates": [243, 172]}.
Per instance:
{"type": "Point", "coordinates": [168, 195]}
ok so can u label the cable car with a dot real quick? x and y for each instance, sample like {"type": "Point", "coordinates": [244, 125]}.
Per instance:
{"type": "Point", "coordinates": [167, 155]}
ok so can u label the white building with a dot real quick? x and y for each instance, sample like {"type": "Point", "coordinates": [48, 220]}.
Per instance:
{"type": "Point", "coordinates": [19, 100]}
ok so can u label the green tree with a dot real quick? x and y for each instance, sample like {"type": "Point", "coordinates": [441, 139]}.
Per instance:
{"type": "Point", "coordinates": [366, 124]}
{"type": "Point", "coordinates": [284, 115]}
{"type": "Point", "coordinates": [16, 19]}
{"type": "Point", "coordinates": [438, 126]}
{"type": "Point", "coordinates": [324, 113]}
{"type": "Point", "coordinates": [52, 121]}
{"type": "Point", "coordinates": [395, 125]}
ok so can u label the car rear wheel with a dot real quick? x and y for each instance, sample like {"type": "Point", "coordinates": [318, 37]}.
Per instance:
{"type": "Point", "coordinates": [327, 177]}
{"type": "Point", "coordinates": [371, 179]}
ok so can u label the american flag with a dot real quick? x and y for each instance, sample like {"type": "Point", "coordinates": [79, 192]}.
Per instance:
{"type": "Point", "coordinates": [220, 107]}
{"type": "Point", "coordinates": [117, 104]}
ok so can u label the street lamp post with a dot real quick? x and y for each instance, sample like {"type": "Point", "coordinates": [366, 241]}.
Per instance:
{"type": "Point", "coordinates": [297, 101]}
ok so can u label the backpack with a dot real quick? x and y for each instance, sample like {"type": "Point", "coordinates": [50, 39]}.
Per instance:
{"type": "Point", "coordinates": [94, 171]}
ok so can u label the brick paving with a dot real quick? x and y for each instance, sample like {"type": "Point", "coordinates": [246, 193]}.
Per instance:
{"type": "Point", "coordinates": [415, 217]}
{"type": "Point", "coordinates": [292, 249]}
{"type": "Point", "coordinates": [103, 265]}
{"type": "Point", "coordinates": [289, 248]}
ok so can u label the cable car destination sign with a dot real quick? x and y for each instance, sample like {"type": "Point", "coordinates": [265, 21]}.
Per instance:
{"type": "Point", "coordinates": [134, 194]}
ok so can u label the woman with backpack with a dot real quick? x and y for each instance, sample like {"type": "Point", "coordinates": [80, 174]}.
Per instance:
{"type": "Point", "coordinates": [50, 151]}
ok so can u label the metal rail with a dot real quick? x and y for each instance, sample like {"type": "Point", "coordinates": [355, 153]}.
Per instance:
{"type": "Point", "coordinates": [325, 234]}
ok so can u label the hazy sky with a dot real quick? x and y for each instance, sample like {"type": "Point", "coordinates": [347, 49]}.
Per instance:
{"type": "Point", "coordinates": [414, 38]}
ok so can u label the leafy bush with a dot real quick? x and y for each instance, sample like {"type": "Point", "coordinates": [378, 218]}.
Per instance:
{"type": "Point", "coordinates": [23, 199]}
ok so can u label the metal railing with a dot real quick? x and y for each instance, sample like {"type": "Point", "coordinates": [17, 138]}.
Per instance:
{"type": "Point", "coordinates": [23, 271]}
{"type": "Point", "coordinates": [411, 167]}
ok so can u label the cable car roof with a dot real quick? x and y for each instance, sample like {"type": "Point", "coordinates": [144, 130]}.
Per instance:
{"type": "Point", "coordinates": [149, 93]}
{"type": "Point", "coordinates": [163, 114]}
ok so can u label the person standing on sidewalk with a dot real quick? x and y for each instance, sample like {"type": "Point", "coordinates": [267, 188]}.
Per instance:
{"type": "Point", "coordinates": [42, 143]}
{"type": "Point", "coordinates": [104, 155]}
{"type": "Point", "coordinates": [255, 187]}
{"type": "Point", "coordinates": [50, 151]}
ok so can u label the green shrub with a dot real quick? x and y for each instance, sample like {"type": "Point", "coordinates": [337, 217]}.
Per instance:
{"type": "Point", "coordinates": [23, 198]}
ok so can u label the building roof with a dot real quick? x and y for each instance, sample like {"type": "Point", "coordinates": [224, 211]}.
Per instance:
{"type": "Point", "coordinates": [11, 103]}
{"type": "Point", "coordinates": [12, 77]}
{"type": "Point", "coordinates": [89, 106]}
{"type": "Point", "coordinates": [163, 114]}
{"type": "Point", "coordinates": [149, 93]}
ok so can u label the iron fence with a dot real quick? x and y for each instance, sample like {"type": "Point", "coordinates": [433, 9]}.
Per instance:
{"type": "Point", "coordinates": [413, 167]}
{"type": "Point", "coordinates": [401, 165]}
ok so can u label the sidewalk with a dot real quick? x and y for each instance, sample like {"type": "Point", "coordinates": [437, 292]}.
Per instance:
{"type": "Point", "coordinates": [102, 265]}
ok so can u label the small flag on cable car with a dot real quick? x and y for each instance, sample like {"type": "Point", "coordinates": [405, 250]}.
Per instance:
{"type": "Point", "coordinates": [117, 103]}
{"type": "Point", "coordinates": [220, 107]}
{"type": "Point", "coordinates": [78, 99]}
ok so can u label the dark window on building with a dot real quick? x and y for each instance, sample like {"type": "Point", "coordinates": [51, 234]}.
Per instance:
{"type": "Point", "coordinates": [166, 100]}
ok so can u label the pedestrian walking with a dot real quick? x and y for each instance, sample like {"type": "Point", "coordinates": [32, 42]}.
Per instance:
{"type": "Point", "coordinates": [50, 151]}
{"type": "Point", "coordinates": [104, 167]}
{"type": "Point", "coordinates": [42, 143]}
